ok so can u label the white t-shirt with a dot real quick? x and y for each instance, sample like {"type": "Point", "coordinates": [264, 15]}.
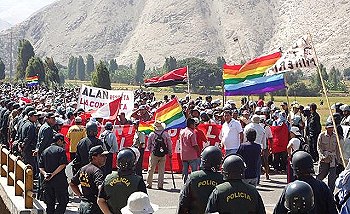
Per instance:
{"type": "Point", "coordinates": [229, 134]}
{"type": "Point", "coordinates": [295, 142]}
{"type": "Point", "coordinates": [260, 134]}
{"type": "Point", "coordinates": [268, 132]}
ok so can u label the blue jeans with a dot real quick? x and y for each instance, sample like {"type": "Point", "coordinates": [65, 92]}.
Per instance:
{"type": "Point", "coordinates": [185, 165]}
{"type": "Point", "coordinates": [230, 151]}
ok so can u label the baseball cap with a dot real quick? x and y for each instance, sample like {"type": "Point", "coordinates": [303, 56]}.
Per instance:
{"type": "Point", "coordinates": [57, 137]}
{"type": "Point", "coordinates": [50, 114]}
{"type": "Point", "coordinates": [33, 113]}
{"type": "Point", "coordinates": [97, 150]}
{"type": "Point", "coordinates": [78, 120]}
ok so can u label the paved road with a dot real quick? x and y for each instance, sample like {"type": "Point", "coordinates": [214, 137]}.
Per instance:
{"type": "Point", "coordinates": [168, 198]}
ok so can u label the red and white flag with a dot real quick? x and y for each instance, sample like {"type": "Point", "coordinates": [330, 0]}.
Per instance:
{"type": "Point", "coordinates": [108, 111]}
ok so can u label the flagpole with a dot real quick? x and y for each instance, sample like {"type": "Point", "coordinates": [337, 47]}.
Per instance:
{"type": "Point", "coordinates": [287, 95]}
{"type": "Point", "coordinates": [327, 99]}
{"type": "Point", "coordinates": [188, 82]}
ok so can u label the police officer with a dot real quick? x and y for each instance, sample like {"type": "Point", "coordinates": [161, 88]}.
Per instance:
{"type": "Point", "coordinates": [46, 133]}
{"type": "Point", "coordinates": [84, 146]}
{"type": "Point", "coordinates": [52, 166]}
{"type": "Point", "coordinates": [233, 194]}
{"type": "Point", "coordinates": [28, 139]}
{"type": "Point", "coordinates": [200, 184]}
{"type": "Point", "coordinates": [299, 198]}
{"type": "Point", "coordinates": [90, 177]}
{"type": "Point", "coordinates": [303, 168]}
{"type": "Point", "coordinates": [118, 186]}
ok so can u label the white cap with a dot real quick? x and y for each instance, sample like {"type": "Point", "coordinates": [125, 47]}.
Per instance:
{"type": "Point", "coordinates": [138, 203]}
{"type": "Point", "coordinates": [295, 130]}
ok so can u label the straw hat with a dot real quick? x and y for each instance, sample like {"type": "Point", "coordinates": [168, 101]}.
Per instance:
{"type": "Point", "coordinates": [159, 126]}
{"type": "Point", "coordinates": [138, 203]}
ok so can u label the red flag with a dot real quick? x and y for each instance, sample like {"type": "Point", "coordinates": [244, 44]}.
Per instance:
{"type": "Point", "coordinates": [108, 111]}
{"type": "Point", "coordinates": [174, 77]}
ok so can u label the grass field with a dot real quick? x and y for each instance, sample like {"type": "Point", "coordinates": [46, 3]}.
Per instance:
{"type": "Point", "coordinates": [160, 92]}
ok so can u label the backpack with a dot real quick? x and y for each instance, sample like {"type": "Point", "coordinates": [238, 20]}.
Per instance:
{"type": "Point", "coordinates": [303, 145]}
{"type": "Point", "coordinates": [103, 138]}
{"type": "Point", "coordinates": [160, 148]}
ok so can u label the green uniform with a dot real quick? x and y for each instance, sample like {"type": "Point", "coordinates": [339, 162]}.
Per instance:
{"type": "Point", "coordinates": [117, 188]}
{"type": "Point", "coordinates": [234, 196]}
{"type": "Point", "coordinates": [198, 187]}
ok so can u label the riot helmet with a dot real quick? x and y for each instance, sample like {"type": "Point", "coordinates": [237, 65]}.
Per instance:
{"type": "Point", "coordinates": [91, 129]}
{"type": "Point", "coordinates": [211, 158]}
{"type": "Point", "coordinates": [299, 197]}
{"type": "Point", "coordinates": [302, 163]}
{"type": "Point", "coordinates": [233, 167]}
{"type": "Point", "coordinates": [126, 159]}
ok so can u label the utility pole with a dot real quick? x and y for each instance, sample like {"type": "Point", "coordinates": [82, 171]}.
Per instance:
{"type": "Point", "coordinates": [235, 39]}
{"type": "Point", "coordinates": [11, 55]}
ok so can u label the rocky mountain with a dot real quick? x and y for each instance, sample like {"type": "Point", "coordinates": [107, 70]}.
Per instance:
{"type": "Point", "coordinates": [201, 28]}
{"type": "Point", "coordinates": [4, 25]}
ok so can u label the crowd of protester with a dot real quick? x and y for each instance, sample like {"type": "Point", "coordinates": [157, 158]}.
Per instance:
{"type": "Point", "coordinates": [260, 137]}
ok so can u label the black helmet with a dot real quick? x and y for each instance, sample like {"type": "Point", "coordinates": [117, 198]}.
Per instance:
{"type": "Point", "coordinates": [109, 126]}
{"type": "Point", "coordinates": [126, 159]}
{"type": "Point", "coordinates": [91, 129]}
{"type": "Point", "coordinates": [211, 158]}
{"type": "Point", "coordinates": [302, 163]}
{"type": "Point", "coordinates": [233, 167]}
{"type": "Point", "coordinates": [299, 197]}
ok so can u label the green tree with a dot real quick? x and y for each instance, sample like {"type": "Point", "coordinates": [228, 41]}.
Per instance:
{"type": "Point", "coordinates": [203, 76]}
{"type": "Point", "coordinates": [2, 70]}
{"type": "Point", "coordinates": [100, 77]}
{"type": "Point", "coordinates": [346, 73]}
{"type": "Point", "coordinates": [220, 61]}
{"type": "Point", "coordinates": [90, 65]}
{"type": "Point", "coordinates": [36, 68]}
{"type": "Point", "coordinates": [52, 73]}
{"type": "Point", "coordinates": [140, 70]}
{"type": "Point", "coordinates": [124, 74]}
{"type": "Point", "coordinates": [81, 68]}
{"type": "Point", "coordinates": [25, 52]}
{"type": "Point", "coordinates": [169, 64]}
{"type": "Point", "coordinates": [113, 66]}
{"type": "Point", "coordinates": [72, 68]}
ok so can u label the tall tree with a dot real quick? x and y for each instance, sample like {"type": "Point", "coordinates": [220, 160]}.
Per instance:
{"type": "Point", "coordinates": [169, 64]}
{"type": "Point", "coordinates": [81, 68]}
{"type": "Point", "coordinates": [220, 61]}
{"type": "Point", "coordinates": [36, 68]}
{"type": "Point", "coordinates": [113, 66]}
{"type": "Point", "coordinates": [2, 70]}
{"type": "Point", "coordinates": [52, 75]}
{"type": "Point", "coordinates": [25, 52]}
{"type": "Point", "coordinates": [100, 77]}
{"type": "Point", "coordinates": [140, 70]}
{"type": "Point", "coordinates": [72, 68]}
{"type": "Point", "coordinates": [90, 64]}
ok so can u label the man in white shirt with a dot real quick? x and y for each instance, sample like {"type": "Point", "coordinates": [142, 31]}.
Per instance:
{"type": "Point", "coordinates": [231, 134]}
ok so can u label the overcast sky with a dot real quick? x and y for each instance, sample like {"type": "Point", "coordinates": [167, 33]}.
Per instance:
{"type": "Point", "coordinates": [16, 11]}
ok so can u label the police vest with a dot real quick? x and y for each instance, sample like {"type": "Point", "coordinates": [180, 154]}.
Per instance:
{"type": "Point", "coordinates": [119, 188]}
{"type": "Point", "coordinates": [202, 184]}
{"type": "Point", "coordinates": [237, 196]}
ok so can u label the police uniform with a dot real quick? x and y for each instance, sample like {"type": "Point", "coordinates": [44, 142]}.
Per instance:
{"type": "Point", "coordinates": [118, 186]}
{"type": "Point", "coordinates": [324, 202]}
{"type": "Point", "coordinates": [198, 187]}
{"type": "Point", "coordinates": [55, 189]}
{"type": "Point", "coordinates": [235, 195]}
{"type": "Point", "coordinates": [82, 155]}
{"type": "Point", "coordinates": [90, 177]}
{"type": "Point", "coordinates": [45, 136]}
{"type": "Point", "coordinates": [28, 137]}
